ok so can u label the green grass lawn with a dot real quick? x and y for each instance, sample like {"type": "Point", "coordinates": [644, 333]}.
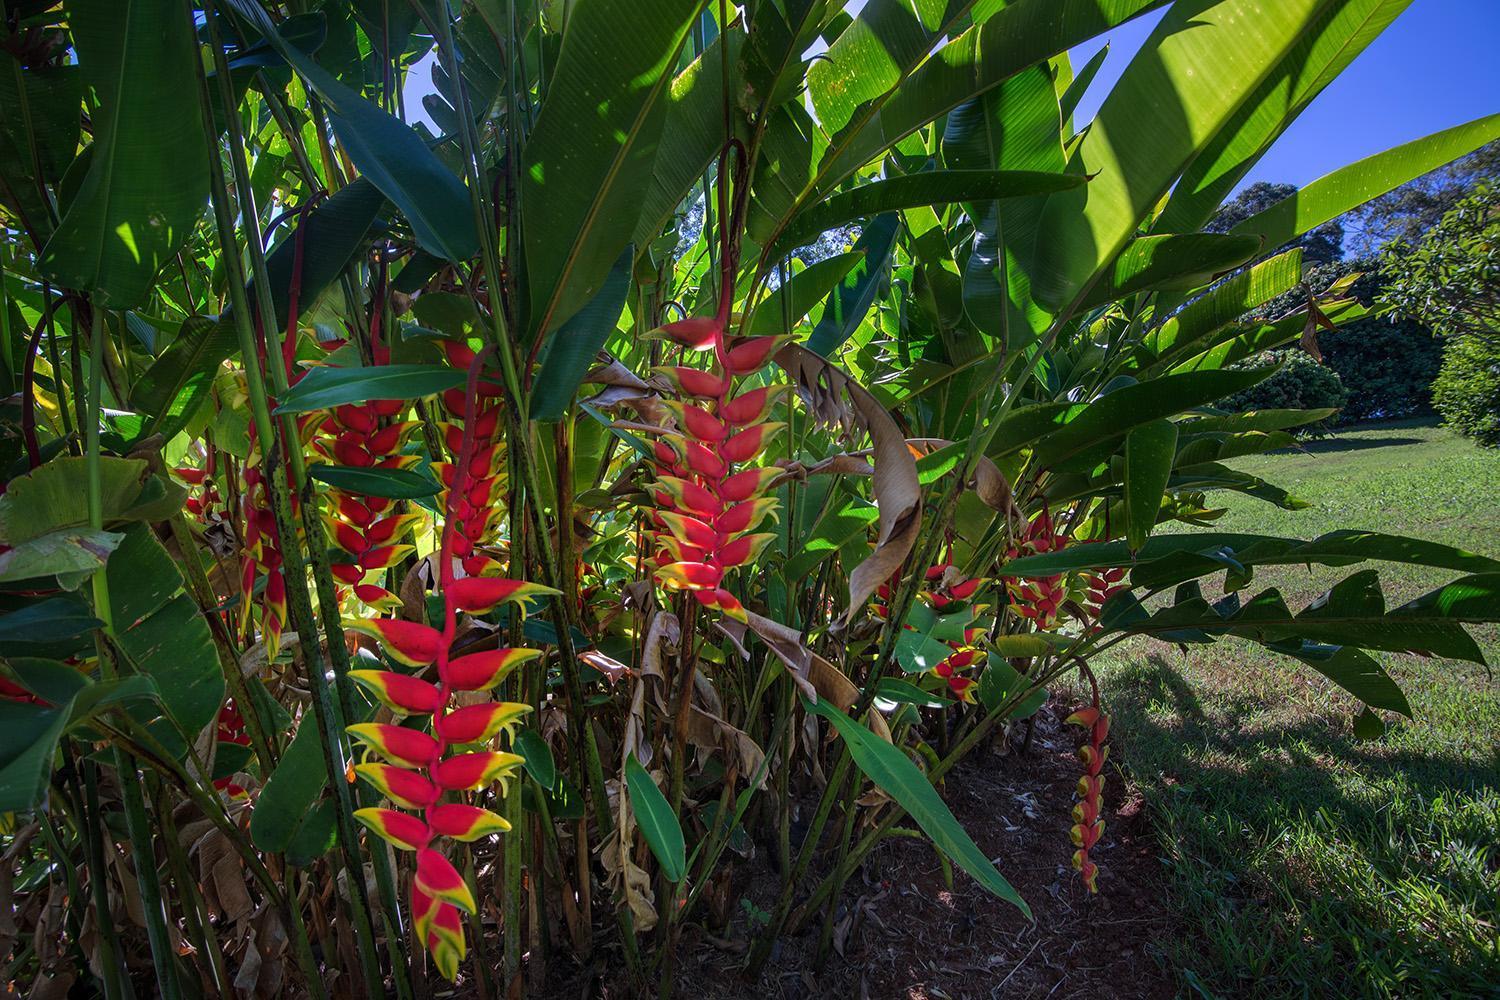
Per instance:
{"type": "Point", "coordinates": [1306, 863]}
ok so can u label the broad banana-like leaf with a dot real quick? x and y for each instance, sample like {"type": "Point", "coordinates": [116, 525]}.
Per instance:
{"type": "Point", "coordinates": [1202, 62]}
{"type": "Point", "coordinates": [147, 179]}
{"type": "Point", "coordinates": [594, 148]}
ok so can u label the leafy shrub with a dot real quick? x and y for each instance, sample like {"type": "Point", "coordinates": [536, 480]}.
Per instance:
{"type": "Point", "coordinates": [1467, 390]}
{"type": "Point", "coordinates": [1299, 383]}
{"type": "Point", "coordinates": [1387, 368]}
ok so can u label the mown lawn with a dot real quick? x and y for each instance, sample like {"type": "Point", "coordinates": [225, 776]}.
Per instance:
{"type": "Point", "coordinates": [1310, 864]}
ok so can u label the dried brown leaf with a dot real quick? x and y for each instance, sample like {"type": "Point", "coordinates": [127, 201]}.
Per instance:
{"type": "Point", "coordinates": [835, 399]}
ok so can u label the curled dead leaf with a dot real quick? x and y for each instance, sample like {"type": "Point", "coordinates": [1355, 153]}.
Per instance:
{"type": "Point", "coordinates": [835, 399]}
{"type": "Point", "coordinates": [815, 676]}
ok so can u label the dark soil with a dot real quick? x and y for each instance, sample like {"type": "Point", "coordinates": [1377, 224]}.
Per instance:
{"type": "Point", "coordinates": [903, 932]}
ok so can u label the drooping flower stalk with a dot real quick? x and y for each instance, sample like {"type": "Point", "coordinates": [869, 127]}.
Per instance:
{"type": "Point", "coordinates": [1088, 822]}
{"type": "Point", "coordinates": [422, 770]}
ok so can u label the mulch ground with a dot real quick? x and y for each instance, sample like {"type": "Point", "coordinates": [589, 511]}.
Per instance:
{"type": "Point", "coordinates": [902, 932]}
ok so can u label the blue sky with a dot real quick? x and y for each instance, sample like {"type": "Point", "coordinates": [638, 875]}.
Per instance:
{"type": "Point", "coordinates": [1437, 65]}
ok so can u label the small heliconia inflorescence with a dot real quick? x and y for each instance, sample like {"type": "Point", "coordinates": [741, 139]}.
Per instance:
{"type": "Point", "coordinates": [479, 507]}
{"type": "Point", "coordinates": [1088, 822]}
{"type": "Point", "coordinates": [366, 531]}
{"type": "Point", "coordinates": [944, 589]}
{"type": "Point", "coordinates": [710, 493]}
{"type": "Point", "coordinates": [1037, 600]}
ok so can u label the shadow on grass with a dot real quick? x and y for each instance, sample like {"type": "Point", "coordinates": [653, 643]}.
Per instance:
{"type": "Point", "coordinates": [1301, 856]}
{"type": "Point", "coordinates": [1293, 758]}
{"type": "Point", "coordinates": [1334, 445]}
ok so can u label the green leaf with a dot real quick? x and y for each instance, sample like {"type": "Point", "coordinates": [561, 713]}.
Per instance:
{"type": "Point", "coordinates": [1349, 187]}
{"type": "Point", "coordinates": [1093, 430]}
{"type": "Point", "coordinates": [49, 124]}
{"type": "Point", "coordinates": [290, 791]}
{"type": "Point", "coordinates": [929, 187]}
{"type": "Point", "coordinates": [390, 155]}
{"type": "Point", "coordinates": [851, 300]}
{"type": "Point", "coordinates": [690, 137]}
{"type": "Point", "coordinates": [662, 831]}
{"type": "Point", "coordinates": [1014, 39]}
{"type": "Point", "coordinates": [396, 484]}
{"type": "Point", "coordinates": [571, 351]}
{"type": "Point", "coordinates": [1216, 309]}
{"type": "Point", "coordinates": [792, 301]}
{"type": "Point", "coordinates": [1001, 682]}
{"type": "Point", "coordinates": [69, 551]}
{"type": "Point", "coordinates": [1359, 673]}
{"type": "Point", "coordinates": [1149, 452]}
{"type": "Point", "coordinates": [1473, 598]}
{"type": "Point", "coordinates": [147, 180]}
{"type": "Point", "coordinates": [54, 496]}
{"type": "Point", "coordinates": [594, 147]}
{"type": "Point", "coordinates": [1198, 66]}
{"type": "Point", "coordinates": [873, 55]}
{"type": "Point", "coordinates": [1180, 262]}
{"type": "Point", "coordinates": [53, 627]}
{"type": "Point", "coordinates": [834, 529]}
{"type": "Point", "coordinates": [1068, 103]}
{"type": "Point", "coordinates": [1339, 33]}
{"type": "Point", "coordinates": [28, 742]}
{"type": "Point", "coordinates": [325, 387]}
{"type": "Point", "coordinates": [906, 693]}
{"type": "Point", "coordinates": [162, 631]}
{"type": "Point", "coordinates": [332, 234]}
{"type": "Point", "coordinates": [538, 758]}
{"type": "Point", "coordinates": [1368, 725]}
{"type": "Point", "coordinates": [1336, 548]}
{"type": "Point", "coordinates": [894, 773]}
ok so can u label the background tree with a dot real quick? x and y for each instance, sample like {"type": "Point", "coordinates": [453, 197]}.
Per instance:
{"type": "Point", "coordinates": [1451, 279]}
{"type": "Point", "coordinates": [1320, 245]}
{"type": "Point", "coordinates": [1415, 207]}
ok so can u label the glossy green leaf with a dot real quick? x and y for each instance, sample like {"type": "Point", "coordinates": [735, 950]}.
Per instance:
{"type": "Point", "coordinates": [162, 631]}
{"type": "Point", "coordinates": [397, 484]}
{"type": "Point", "coordinates": [392, 156]}
{"type": "Point", "coordinates": [594, 147]}
{"type": "Point", "coordinates": [1338, 33]}
{"type": "Point", "coordinates": [930, 187]}
{"type": "Point", "coordinates": [324, 387]}
{"type": "Point", "coordinates": [58, 552]}
{"type": "Point", "coordinates": [851, 300]}
{"type": "Point", "coordinates": [1224, 304]}
{"type": "Point", "coordinates": [793, 300]}
{"type": "Point", "coordinates": [46, 120]}
{"type": "Point", "coordinates": [1092, 430]}
{"type": "Point", "coordinates": [657, 822]}
{"type": "Point", "coordinates": [538, 758]}
{"type": "Point", "coordinates": [1149, 452]}
{"type": "Point", "coordinates": [573, 349]}
{"type": "Point", "coordinates": [1181, 262]}
{"type": "Point", "coordinates": [1020, 36]}
{"type": "Point", "coordinates": [894, 773]}
{"type": "Point", "coordinates": [147, 180]}
{"type": "Point", "coordinates": [28, 742]}
{"type": "Point", "coordinates": [333, 233]}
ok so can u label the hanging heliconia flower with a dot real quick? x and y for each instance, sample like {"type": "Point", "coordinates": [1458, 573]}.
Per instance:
{"type": "Point", "coordinates": [1088, 822]}
{"type": "Point", "coordinates": [1102, 584]}
{"type": "Point", "coordinates": [710, 493]}
{"type": "Point", "coordinates": [421, 770]}
{"type": "Point", "coordinates": [944, 589]}
{"type": "Point", "coordinates": [231, 729]}
{"type": "Point", "coordinates": [203, 495]}
{"type": "Point", "coordinates": [1037, 600]}
{"type": "Point", "coordinates": [366, 530]}
{"type": "Point", "coordinates": [478, 507]}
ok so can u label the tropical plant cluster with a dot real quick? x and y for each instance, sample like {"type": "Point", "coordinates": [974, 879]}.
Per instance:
{"type": "Point", "coordinates": [452, 552]}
